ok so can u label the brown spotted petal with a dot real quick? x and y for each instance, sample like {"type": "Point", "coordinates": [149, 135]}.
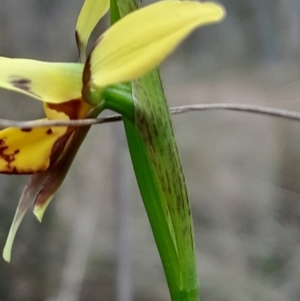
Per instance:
{"type": "Point", "coordinates": [27, 151]}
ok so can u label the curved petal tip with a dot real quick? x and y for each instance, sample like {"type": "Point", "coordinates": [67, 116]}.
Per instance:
{"type": "Point", "coordinates": [39, 211]}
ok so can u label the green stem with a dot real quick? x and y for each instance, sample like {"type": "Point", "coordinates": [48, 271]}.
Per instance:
{"type": "Point", "coordinates": [119, 99]}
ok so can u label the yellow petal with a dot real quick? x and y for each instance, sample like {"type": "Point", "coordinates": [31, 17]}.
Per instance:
{"type": "Point", "coordinates": [28, 151]}
{"type": "Point", "coordinates": [48, 82]}
{"type": "Point", "coordinates": [27, 199]}
{"type": "Point", "coordinates": [141, 40]}
{"type": "Point", "coordinates": [92, 11]}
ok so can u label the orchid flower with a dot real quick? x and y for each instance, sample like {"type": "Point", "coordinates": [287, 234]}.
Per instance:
{"type": "Point", "coordinates": [127, 50]}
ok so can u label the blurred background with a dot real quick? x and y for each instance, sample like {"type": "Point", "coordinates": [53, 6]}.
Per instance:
{"type": "Point", "coordinates": [242, 170]}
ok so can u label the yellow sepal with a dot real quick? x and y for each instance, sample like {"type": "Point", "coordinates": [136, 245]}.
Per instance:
{"type": "Point", "coordinates": [48, 82]}
{"type": "Point", "coordinates": [140, 41]}
{"type": "Point", "coordinates": [92, 11]}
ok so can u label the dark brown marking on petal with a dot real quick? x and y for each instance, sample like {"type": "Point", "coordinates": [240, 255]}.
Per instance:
{"type": "Point", "coordinates": [86, 72]}
{"type": "Point", "coordinates": [78, 42]}
{"type": "Point", "coordinates": [2, 141]}
{"type": "Point", "coordinates": [10, 158]}
{"type": "Point", "coordinates": [15, 171]}
{"type": "Point", "coordinates": [80, 45]}
{"type": "Point", "coordinates": [86, 78]}
{"type": "Point", "coordinates": [26, 130]}
{"type": "Point", "coordinates": [58, 147]}
{"type": "Point", "coordinates": [70, 108]}
{"type": "Point", "coordinates": [49, 132]}
{"type": "Point", "coordinates": [7, 157]}
{"type": "Point", "coordinates": [22, 83]}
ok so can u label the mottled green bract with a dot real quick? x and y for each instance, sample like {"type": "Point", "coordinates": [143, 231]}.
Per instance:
{"type": "Point", "coordinates": [161, 180]}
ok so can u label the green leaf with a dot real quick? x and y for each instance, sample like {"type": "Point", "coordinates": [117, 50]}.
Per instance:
{"type": "Point", "coordinates": [161, 180]}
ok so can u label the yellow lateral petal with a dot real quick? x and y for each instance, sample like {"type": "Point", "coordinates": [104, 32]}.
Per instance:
{"type": "Point", "coordinates": [140, 41]}
{"type": "Point", "coordinates": [92, 11]}
{"type": "Point", "coordinates": [27, 151]}
{"type": "Point", "coordinates": [27, 199]}
{"type": "Point", "coordinates": [48, 82]}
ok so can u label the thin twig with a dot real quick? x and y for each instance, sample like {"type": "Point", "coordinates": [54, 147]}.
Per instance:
{"type": "Point", "coordinates": [290, 115]}
{"type": "Point", "coordinates": [4, 123]}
